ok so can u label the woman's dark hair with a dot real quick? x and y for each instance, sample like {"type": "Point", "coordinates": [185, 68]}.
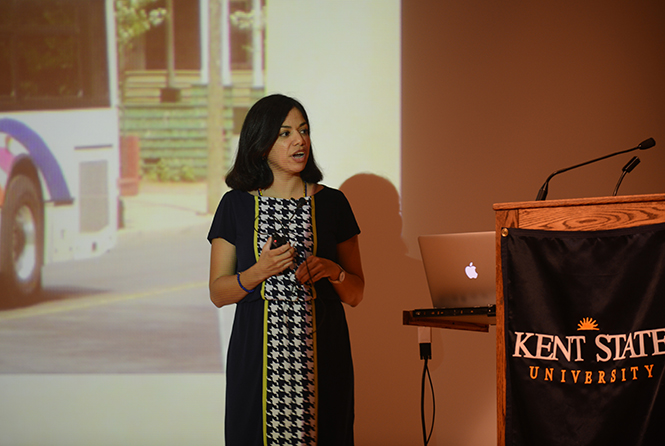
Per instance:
{"type": "Point", "coordinates": [259, 132]}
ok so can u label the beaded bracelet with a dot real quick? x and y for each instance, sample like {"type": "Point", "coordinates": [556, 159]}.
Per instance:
{"type": "Point", "coordinates": [243, 288]}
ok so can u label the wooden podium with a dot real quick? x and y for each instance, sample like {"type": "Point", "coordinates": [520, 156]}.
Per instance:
{"type": "Point", "coordinates": [589, 214]}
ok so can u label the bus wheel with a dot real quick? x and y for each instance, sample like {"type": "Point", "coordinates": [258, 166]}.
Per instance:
{"type": "Point", "coordinates": [21, 240]}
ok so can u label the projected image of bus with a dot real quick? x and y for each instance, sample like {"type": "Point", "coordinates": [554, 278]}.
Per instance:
{"type": "Point", "coordinates": [58, 139]}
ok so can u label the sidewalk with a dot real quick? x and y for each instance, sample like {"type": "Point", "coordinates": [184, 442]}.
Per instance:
{"type": "Point", "coordinates": [165, 206]}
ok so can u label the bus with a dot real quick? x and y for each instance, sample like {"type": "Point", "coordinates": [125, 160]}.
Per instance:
{"type": "Point", "coordinates": [59, 137]}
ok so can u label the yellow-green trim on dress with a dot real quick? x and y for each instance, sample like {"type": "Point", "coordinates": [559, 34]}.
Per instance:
{"type": "Point", "coordinates": [314, 329]}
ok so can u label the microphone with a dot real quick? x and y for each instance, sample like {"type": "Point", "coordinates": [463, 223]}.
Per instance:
{"type": "Point", "coordinates": [646, 144]}
{"type": "Point", "coordinates": [281, 239]}
{"type": "Point", "coordinates": [630, 165]}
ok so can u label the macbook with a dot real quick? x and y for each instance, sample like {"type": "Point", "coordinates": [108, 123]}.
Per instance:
{"type": "Point", "coordinates": [460, 270]}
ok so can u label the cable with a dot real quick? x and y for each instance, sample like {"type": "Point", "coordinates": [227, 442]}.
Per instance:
{"type": "Point", "coordinates": [426, 437]}
{"type": "Point", "coordinates": [425, 342]}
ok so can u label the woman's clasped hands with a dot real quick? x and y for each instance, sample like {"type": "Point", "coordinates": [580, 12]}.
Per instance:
{"type": "Point", "coordinates": [276, 260]}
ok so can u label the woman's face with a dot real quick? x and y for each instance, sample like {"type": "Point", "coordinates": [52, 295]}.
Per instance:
{"type": "Point", "coordinates": [290, 152]}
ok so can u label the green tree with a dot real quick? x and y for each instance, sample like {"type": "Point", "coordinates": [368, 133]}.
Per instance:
{"type": "Point", "coordinates": [133, 18]}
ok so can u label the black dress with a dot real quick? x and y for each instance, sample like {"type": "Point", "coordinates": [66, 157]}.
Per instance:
{"type": "Point", "coordinates": [289, 368]}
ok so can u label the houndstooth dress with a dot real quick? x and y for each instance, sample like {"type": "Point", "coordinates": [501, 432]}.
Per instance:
{"type": "Point", "coordinates": [289, 366]}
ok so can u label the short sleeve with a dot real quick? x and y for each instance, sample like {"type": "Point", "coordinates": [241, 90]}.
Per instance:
{"type": "Point", "coordinates": [223, 224]}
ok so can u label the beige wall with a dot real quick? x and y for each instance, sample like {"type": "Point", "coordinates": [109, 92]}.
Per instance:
{"type": "Point", "coordinates": [495, 97]}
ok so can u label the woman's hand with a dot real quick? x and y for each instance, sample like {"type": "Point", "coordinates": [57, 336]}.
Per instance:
{"type": "Point", "coordinates": [275, 260]}
{"type": "Point", "coordinates": [316, 268]}
{"type": "Point", "coordinates": [351, 289]}
{"type": "Point", "coordinates": [224, 286]}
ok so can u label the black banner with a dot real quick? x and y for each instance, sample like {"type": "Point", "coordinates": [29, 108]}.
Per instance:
{"type": "Point", "coordinates": [585, 336]}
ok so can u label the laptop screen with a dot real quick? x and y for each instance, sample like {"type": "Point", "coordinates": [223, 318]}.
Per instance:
{"type": "Point", "coordinates": [460, 268]}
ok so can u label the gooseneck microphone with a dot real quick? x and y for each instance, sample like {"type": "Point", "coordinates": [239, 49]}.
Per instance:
{"type": "Point", "coordinates": [646, 144]}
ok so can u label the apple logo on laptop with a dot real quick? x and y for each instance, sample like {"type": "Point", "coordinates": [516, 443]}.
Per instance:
{"type": "Point", "coordinates": [471, 272]}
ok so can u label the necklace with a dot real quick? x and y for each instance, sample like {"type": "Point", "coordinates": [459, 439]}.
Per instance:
{"type": "Point", "coordinates": [304, 185]}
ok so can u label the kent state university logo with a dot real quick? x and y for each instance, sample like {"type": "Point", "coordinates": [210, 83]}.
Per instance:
{"type": "Point", "coordinates": [589, 358]}
{"type": "Point", "coordinates": [587, 324]}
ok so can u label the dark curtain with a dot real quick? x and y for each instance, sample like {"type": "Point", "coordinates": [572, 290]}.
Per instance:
{"type": "Point", "coordinates": [585, 336]}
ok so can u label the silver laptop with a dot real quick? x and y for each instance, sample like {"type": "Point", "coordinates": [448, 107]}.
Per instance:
{"type": "Point", "coordinates": [460, 269]}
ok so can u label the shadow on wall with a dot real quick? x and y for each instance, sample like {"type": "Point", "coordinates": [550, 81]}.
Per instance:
{"type": "Point", "coordinates": [385, 353]}
{"type": "Point", "coordinates": [386, 356]}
